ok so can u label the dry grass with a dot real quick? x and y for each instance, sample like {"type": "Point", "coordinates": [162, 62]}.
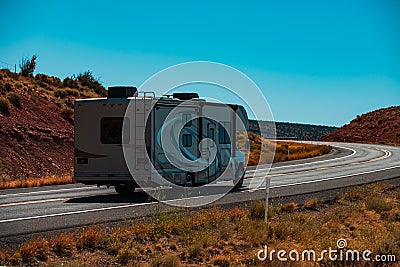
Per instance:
{"type": "Point", "coordinates": [284, 151]}
{"type": "Point", "coordinates": [166, 260]}
{"type": "Point", "coordinates": [34, 182]}
{"type": "Point", "coordinates": [232, 237]}
{"type": "Point", "coordinates": [5, 106]}
{"type": "Point", "coordinates": [311, 203]}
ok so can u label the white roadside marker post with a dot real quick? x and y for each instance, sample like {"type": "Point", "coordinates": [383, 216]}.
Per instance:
{"type": "Point", "coordinates": [267, 183]}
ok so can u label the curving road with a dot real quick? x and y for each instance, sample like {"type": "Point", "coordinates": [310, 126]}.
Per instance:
{"type": "Point", "coordinates": [32, 210]}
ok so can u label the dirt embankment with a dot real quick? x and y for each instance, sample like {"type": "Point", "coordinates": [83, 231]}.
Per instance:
{"type": "Point", "coordinates": [379, 126]}
{"type": "Point", "coordinates": [36, 125]}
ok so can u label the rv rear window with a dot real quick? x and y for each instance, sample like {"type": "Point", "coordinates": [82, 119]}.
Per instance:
{"type": "Point", "coordinates": [224, 129]}
{"type": "Point", "coordinates": [111, 130]}
{"type": "Point", "coordinates": [187, 140]}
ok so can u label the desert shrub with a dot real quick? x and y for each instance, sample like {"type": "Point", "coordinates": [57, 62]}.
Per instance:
{"type": "Point", "coordinates": [311, 203]}
{"type": "Point", "coordinates": [64, 93]}
{"type": "Point", "coordinates": [5, 106]}
{"type": "Point", "coordinates": [60, 93]}
{"type": "Point", "coordinates": [69, 82]}
{"type": "Point", "coordinates": [91, 238]}
{"type": "Point", "coordinates": [45, 80]}
{"type": "Point", "coordinates": [37, 249]}
{"type": "Point", "coordinates": [56, 81]}
{"type": "Point", "coordinates": [69, 103]}
{"type": "Point", "coordinates": [27, 66]}
{"type": "Point", "coordinates": [378, 204]}
{"type": "Point", "coordinates": [221, 260]}
{"type": "Point", "coordinates": [67, 113]}
{"type": "Point", "coordinates": [257, 210]}
{"type": "Point", "coordinates": [15, 99]}
{"type": "Point", "coordinates": [63, 244]}
{"type": "Point", "coordinates": [8, 87]}
{"type": "Point", "coordinates": [290, 207]}
{"type": "Point", "coordinates": [72, 92]}
{"type": "Point", "coordinates": [254, 231]}
{"type": "Point", "coordinates": [197, 245]}
{"type": "Point", "coordinates": [165, 260]}
{"type": "Point", "coordinates": [126, 254]}
{"type": "Point", "coordinates": [42, 78]}
{"type": "Point", "coordinates": [87, 79]}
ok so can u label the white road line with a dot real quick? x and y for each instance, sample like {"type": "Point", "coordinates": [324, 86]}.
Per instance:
{"type": "Point", "coordinates": [49, 191]}
{"type": "Point", "coordinates": [32, 202]}
{"type": "Point", "coordinates": [75, 212]}
{"type": "Point", "coordinates": [324, 179]}
{"type": "Point", "coordinates": [387, 154]}
{"type": "Point", "coordinates": [307, 163]}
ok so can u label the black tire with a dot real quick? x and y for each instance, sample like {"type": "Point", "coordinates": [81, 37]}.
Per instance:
{"type": "Point", "coordinates": [240, 172]}
{"type": "Point", "coordinates": [125, 189]}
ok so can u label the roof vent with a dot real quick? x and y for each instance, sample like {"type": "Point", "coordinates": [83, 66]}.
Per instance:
{"type": "Point", "coordinates": [185, 96]}
{"type": "Point", "coordinates": [121, 91]}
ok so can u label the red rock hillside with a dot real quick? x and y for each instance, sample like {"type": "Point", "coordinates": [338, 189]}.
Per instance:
{"type": "Point", "coordinates": [36, 125]}
{"type": "Point", "coordinates": [379, 126]}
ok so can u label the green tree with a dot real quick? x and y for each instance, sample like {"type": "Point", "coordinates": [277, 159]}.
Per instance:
{"type": "Point", "coordinates": [87, 79]}
{"type": "Point", "coordinates": [27, 66]}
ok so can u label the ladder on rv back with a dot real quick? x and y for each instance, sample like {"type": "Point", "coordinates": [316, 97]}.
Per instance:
{"type": "Point", "coordinates": [142, 106]}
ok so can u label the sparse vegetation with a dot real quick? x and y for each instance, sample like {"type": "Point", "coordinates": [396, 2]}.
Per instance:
{"type": "Point", "coordinates": [5, 106]}
{"type": "Point", "coordinates": [69, 82]}
{"type": "Point", "coordinates": [87, 79]}
{"type": "Point", "coordinates": [34, 182]}
{"type": "Point", "coordinates": [27, 66]}
{"type": "Point", "coordinates": [227, 237]}
{"type": "Point", "coordinates": [165, 260]}
{"type": "Point", "coordinates": [66, 93]}
{"type": "Point", "coordinates": [291, 151]}
{"type": "Point", "coordinates": [311, 203]}
{"type": "Point", "coordinates": [43, 101]}
{"type": "Point", "coordinates": [68, 114]}
{"type": "Point", "coordinates": [378, 126]}
{"type": "Point", "coordinates": [15, 99]}
{"type": "Point", "coordinates": [48, 80]}
{"type": "Point", "coordinates": [284, 151]}
{"type": "Point", "coordinates": [378, 204]}
{"type": "Point", "coordinates": [290, 207]}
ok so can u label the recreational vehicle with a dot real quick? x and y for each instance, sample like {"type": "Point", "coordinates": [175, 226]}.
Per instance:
{"type": "Point", "coordinates": [119, 139]}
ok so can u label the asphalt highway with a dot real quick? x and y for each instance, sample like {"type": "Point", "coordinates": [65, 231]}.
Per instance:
{"type": "Point", "coordinates": [32, 210]}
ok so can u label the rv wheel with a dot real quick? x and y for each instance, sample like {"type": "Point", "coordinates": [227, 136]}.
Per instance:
{"type": "Point", "coordinates": [124, 189]}
{"type": "Point", "coordinates": [239, 175]}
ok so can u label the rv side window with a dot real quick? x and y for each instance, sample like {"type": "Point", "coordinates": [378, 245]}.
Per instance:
{"type": "Point", "coordinates": [186, 140]}
{"type": "Point", "coordinates": [186, 120]}
{"type": "Point", "coordinates": [211, 136]}
{"type": "Point", "coordinates": [224, 129]}
{"type": "Point", "coordinates": [111, 130]}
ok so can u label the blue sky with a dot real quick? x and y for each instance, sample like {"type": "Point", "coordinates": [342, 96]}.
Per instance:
{"type": "Point", "coordinates": [319, 62]}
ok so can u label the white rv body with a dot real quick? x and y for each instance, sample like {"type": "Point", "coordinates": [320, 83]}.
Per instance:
{"type": "Point", "coordinates": [102, 129]}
